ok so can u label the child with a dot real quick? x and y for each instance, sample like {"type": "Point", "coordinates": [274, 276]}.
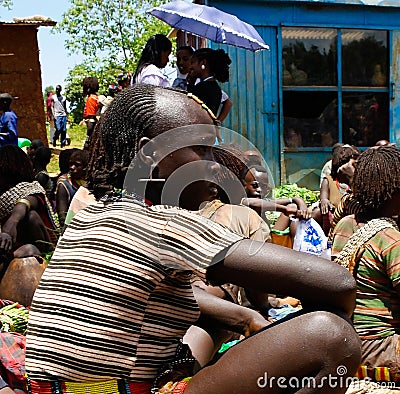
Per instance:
{"type": "Point", "coordinates": [183, 56]}
{"type": "Point", "coordinates": [90, 88]}
{"type": "Point", "coordinates": [41, 160]}
{"type": "Point", "coordinates": [67, 186]}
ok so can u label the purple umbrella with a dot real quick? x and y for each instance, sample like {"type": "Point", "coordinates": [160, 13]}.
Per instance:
{"type": "Point", "coordinates": [211, 23]}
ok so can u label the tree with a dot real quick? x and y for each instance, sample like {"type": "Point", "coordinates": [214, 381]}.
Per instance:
{"type": "Point", "coordinates": [6, 3]}
{"type": "Point", "coordinates": [111, 36]}
{"type": "Point", "coordinates": [116, 30]}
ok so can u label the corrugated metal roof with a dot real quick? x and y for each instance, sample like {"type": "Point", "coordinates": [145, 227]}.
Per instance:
{"type": "Point", "coordinates": [379, 3]}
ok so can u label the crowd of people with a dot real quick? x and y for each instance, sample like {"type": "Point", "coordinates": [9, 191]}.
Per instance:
{"type": "Point", "coordinates": [166, 275]}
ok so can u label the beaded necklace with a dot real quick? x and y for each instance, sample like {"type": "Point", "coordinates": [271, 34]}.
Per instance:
{"type": "Point", "coordinates": [204, 106]}
{"type": "Point", "coordinates": [121, 195]}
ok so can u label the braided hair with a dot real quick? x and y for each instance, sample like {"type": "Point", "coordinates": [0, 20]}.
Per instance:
{"type": "Point", "coordinates": [138, 111]}
{"type": "Point", "coordinates": [116, 137]}
{"type": "Point", "coordinates": [233, 165]}
{"type": "Point", "coordinates": [376, 178]}
{"type": "Point", "coordinates": [218, 61]}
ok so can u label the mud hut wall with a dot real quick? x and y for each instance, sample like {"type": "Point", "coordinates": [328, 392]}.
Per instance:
{"type": "Point", "coordinates": [20, 75]}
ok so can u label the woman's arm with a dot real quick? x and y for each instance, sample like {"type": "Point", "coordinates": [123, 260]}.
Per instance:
{"type": "Point", "coordinates": [43, 179]}
{"type": "Point", "coordinates": [324, 197]}
{"type": "Point", "coordinates": [316, 282]}
{"type": "Point", "coordinates": [279, 205]}
{"type": "Point", "coordinates": [21, 208]}
{"type": "Point", "coordinates": [226, 107]}
{"type": "Point", "coordinates": [228, 315]}
{"type": "Point", "coordinates": [62, 203]}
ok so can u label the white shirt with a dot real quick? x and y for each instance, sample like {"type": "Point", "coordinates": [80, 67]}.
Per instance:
{"type": "Point", "coordinates": [152, 75]}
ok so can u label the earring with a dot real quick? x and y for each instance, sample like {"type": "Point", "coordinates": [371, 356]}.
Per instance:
{"type": "Point", "coordinates": [203, 67]}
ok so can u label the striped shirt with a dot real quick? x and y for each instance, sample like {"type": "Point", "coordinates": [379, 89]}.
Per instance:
{"type": "Point", "coordinates": [348, 206]}
{"type": "Point", "coordinates": [377, 313]}
{"type": "Point", "coordinates": [116, 297]}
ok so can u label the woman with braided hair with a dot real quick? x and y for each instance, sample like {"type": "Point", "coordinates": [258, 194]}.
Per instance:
{"type": "Point", "coordinates": [368, 244]}
{"type": "Point", "coordinates": [116, 298]}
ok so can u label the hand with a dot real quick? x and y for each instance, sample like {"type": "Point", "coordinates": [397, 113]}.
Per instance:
{"type": "Point", "coordinates": [303, 214]}
{"type": "Point", "coordinates": [290, 210]}
{"type": "Point", "coordinates": [5, 242]}
{"type": "Point", "coordinates": [326, 206]}
{"type": "Point", "coordinates": [10, 228]}
{"type": "Point", "coordinates": [256, 323]}
{"type": "Point", "coordinates": [191, 79]}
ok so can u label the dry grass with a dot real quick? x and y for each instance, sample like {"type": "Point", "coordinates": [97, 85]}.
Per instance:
{"type": "Point", "coordinates": [78, 135]}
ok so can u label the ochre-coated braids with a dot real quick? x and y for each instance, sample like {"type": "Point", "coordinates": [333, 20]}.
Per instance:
{"type": "Point", "coordinates": [133, 114]}
{"type": "Point", "coordinates": [376, 178]}
{"type": "Point", "coordinates": [115, 140]}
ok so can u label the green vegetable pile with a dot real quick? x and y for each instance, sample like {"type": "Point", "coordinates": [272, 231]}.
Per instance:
{"type": "Point", "coordinates": [14, 318]}
{"type": "Point", "coordinates": [292, 190]}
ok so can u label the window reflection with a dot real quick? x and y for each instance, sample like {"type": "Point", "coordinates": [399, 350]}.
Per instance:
{"type": "Point", "coordinates": [364, 55]}
{"type": "Point", "coordinates": [309, 57]}
{"type": "Point", "coordinates": [365, 118]}
{"type": "Point", "coordinates": [310, 119]}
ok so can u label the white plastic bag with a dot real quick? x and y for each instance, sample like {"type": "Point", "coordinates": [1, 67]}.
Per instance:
{"type": "Point", "coordinates": [310, 238]}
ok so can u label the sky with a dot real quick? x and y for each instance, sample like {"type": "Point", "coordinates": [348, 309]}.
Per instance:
{"type": "Point", "coordinates": [53, 57]}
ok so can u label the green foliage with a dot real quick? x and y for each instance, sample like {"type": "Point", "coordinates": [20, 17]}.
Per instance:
{"type": "Point", "coordinates": [111, 36]}
{"type": "Point", "coordinates": [292, 190]}
{"type": "Point", "coordinates": [6, 3]}
{"type": "Point", "coordinates": [46, 90]}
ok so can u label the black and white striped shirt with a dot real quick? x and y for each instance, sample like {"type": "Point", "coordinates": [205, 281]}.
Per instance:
{"type": "Point", "coordinates": [116, 296]}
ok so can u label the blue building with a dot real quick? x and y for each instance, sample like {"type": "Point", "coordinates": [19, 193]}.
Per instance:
{"type": "Point", "coordinates": [331, 75]}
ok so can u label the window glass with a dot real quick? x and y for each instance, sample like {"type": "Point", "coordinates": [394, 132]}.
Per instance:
{"type": "Point", "coordinates": [364, 58]}
{"type": "Point", "coordinates": [310, 119]}
{"type": "Point", "coordinates": [365, 118]}
{"type": "Point", "coordinates": [309, 56]}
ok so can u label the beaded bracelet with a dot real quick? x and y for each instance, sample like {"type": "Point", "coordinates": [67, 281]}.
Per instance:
{"type": "Point", "coordinates": [24, 201]}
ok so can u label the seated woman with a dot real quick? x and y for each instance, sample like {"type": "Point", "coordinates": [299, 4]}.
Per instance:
{"type": "Point", "coordinates": [28, 225]}
{"type": "Point", "coordinates": [368, 245]}
{"type": "Point", "coordinates": [68, 185]}
{"type": "Point", "coordinates": [41, 160]}
{"type": "Point", "coordinates": [119, 281]}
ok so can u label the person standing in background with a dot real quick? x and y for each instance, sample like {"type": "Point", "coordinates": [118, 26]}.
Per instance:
{"type": "Point", "coordinates": [49, 114]}
{"type": "Point", "coordinates": [183, 56]}
{"type": "Point", "coordinates": [8, 121]}
{"type": "Point", "coordinates": [154, 57]}
{"type": "Point", "coordinates": [124, 80]}
{"type": "Point", "coordinates": [90, 87]}
{"type": "Point", "coordinates": [59, 110]}
{"type": "Point", "coordinates": [209, 66]}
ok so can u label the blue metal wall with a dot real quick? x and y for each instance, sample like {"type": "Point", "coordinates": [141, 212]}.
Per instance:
{"type": "Point", "coordinates": [254, 94]}
{"type": "Point", "coordinates": [255, 80]}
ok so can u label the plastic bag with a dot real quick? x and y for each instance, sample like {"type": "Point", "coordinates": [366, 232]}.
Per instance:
{"type": "Point", "coordinates": [310, 238]}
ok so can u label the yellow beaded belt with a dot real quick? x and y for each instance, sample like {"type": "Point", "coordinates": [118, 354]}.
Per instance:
{"type": "Point", "coordinates": [107, 387]}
